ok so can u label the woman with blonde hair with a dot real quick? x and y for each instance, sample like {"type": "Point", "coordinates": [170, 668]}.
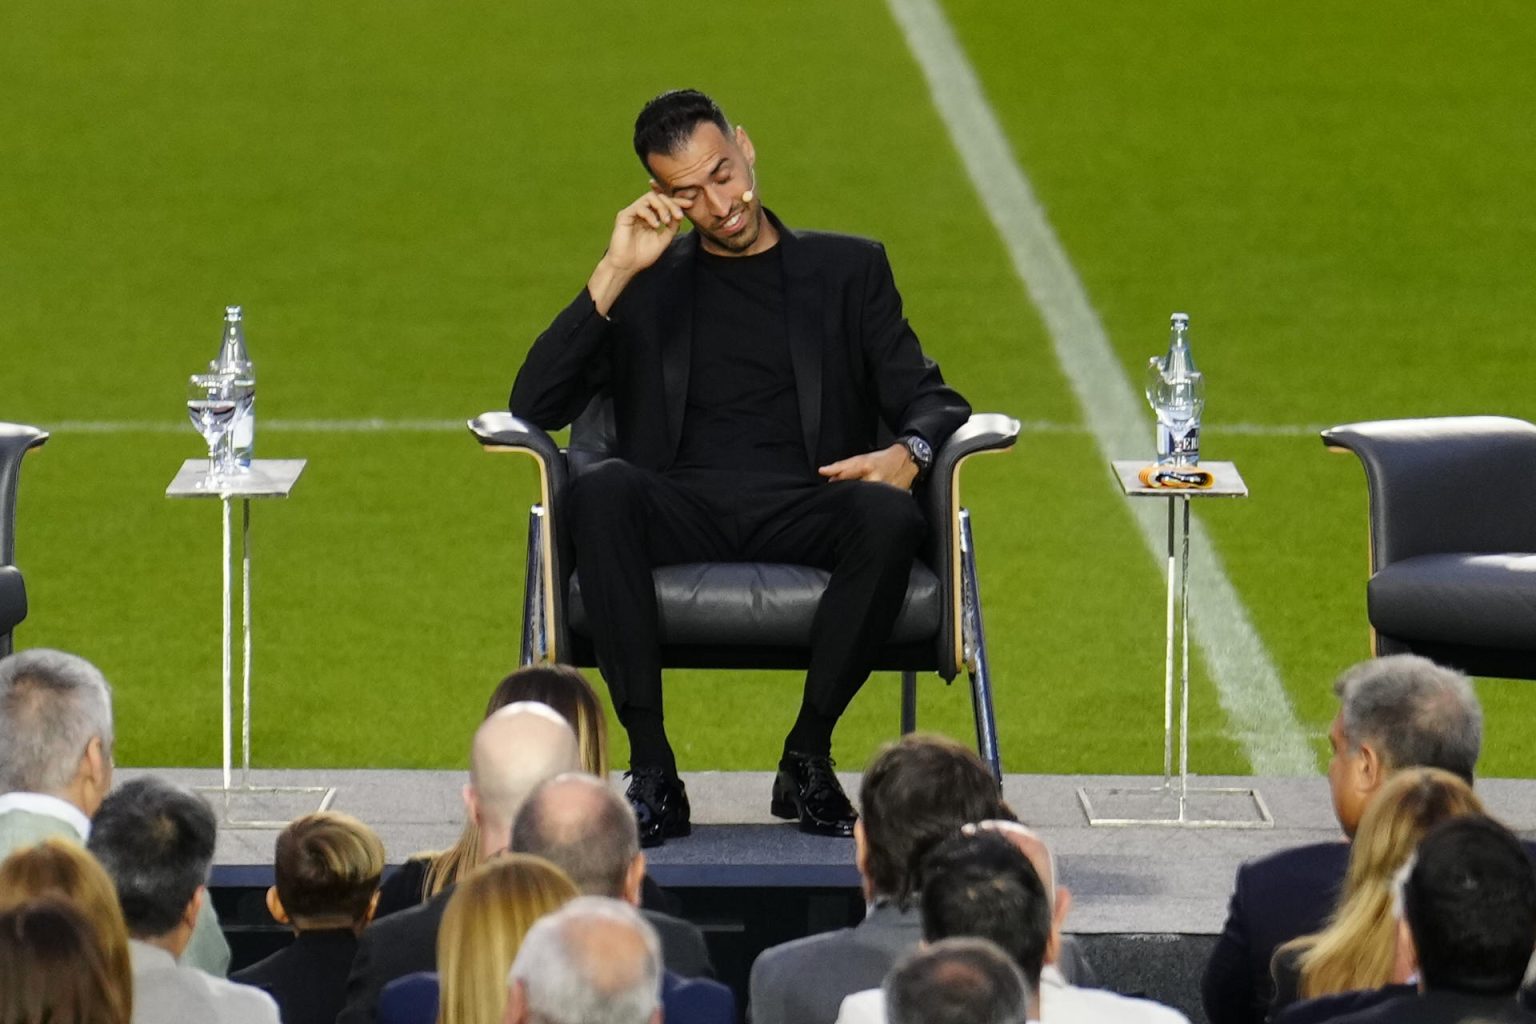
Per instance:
{"type": "Point", "coordinates": [562, 688]}
{"type": "Point", "coordinates": [1355, 950]}
{"type": "Point", "coordinates": [483, 925]}
{"type": "Point", "coordinates": [66, 871]}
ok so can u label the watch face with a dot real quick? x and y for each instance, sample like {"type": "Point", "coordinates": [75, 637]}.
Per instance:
{"type": "Point", "coordinates": [921, 452]}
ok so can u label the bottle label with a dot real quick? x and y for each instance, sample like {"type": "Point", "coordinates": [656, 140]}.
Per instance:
{"type": "Point", "coordinates": [1181, 448]}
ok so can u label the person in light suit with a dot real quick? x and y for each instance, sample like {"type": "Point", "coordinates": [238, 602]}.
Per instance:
{"type": "Point", "coordinates": [56, 740]}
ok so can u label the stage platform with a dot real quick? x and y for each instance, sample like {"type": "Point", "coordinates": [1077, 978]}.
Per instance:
{"type": "Point", "coordinates": [1147, 900]}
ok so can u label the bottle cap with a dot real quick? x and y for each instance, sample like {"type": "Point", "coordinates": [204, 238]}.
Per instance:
{"type": "Point", "coordinates": [1181, 318]}
{"type": "Point", "coordinates": [231, 313]}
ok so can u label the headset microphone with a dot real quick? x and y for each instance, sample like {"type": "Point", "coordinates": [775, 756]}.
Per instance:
{"type": "Point", "coordinates": [748, 195]}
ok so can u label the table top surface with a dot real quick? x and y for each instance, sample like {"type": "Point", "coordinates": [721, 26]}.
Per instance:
{"type": "Point", "coordinates": [267, 478]}
{"type": "Point", "coordinates": [1228, 484]}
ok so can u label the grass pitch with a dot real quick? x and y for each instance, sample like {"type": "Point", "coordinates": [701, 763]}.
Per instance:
{"type": "Point", "coordinates": [403, 195]}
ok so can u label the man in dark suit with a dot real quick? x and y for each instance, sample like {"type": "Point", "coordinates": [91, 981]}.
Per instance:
{"type": "Point", "coordinates": [585, 829]}
{"type": "Point", "coordinates": [1468, 924]}
{"type": "Point", "coordinates": [916, 792]}
{"type": "Point", "coordinates": [751, 368]}
{"type": "Point", "coordinates": [515, 749]}
{"type": "Point", "coordinates": [1396, 712]}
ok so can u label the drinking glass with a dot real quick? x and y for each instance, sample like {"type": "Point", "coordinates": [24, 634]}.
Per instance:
{"type": "Point", "coordinates": [211, 404]}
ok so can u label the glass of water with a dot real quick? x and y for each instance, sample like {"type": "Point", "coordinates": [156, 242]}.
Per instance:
{"type": "Point", "coordinates": [211, 404]}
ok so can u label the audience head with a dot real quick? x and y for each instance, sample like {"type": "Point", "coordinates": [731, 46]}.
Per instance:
{"type": "Point", "coordinates": [58, 869]}
{"type": "Point", "coordinates": [327, 866]}
{"type": "Point", "coordinates": [595, 961]}
{"type": "Point", "coordinates": [1469, 903]}
{"type": "Point", "coordinates": [979, 885]}
{"type": "Point", "coordinates": [916, 792]}
{"type": "Point", "coordinates": [483, 925]}
{"type": "Point", "coordinates": [515, 749]}
{"type": "Point", "coordinates": [156, 841]}
{"type": "Point", "coordinates": [55, 727]}
{"type": "Point", "coordinates": [957, 981]}
{"type": "Point", "coordinates": [564, 688]}
{"type": "Point", "coordinates": [53, 968]}
{"type": "Point", "coordinates": [579, 824]}
{"type": "Point", "coordinates": [1357, 948]}
{"type": "Point", "coordinates": [1058, 898]}
{"type": "Point", "coordinates": [1401, 711]}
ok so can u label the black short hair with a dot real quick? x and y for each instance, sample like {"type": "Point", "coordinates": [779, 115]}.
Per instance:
{"type": "Point", "coordinates": [669, 120]}
{"type": "Point", "coordinates": [156, 841]}
{"type": "Point", "coordinates": [918, 791]}
{"type": "Point", "coordinates": [984, 887]}
{"type": "Point", "coordinates": [1470, 902]}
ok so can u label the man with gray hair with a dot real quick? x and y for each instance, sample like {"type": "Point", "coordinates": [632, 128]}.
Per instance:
{"type": "Point", "coordinates": [582, 826]}
{"type": "Point", "coordinates": [1397, 712]}
{"type": "Point", "coordinates": [594, 961]}
{"type": "Point", "coordinates": [56, 742]}
{"type": "Point", "coordinates": [957, 981]}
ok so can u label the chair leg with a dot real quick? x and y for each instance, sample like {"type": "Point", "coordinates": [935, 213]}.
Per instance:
{"type": "Point", "coordinates": [975, 643]}
{"type": "Point", "coordinates": [908, 702]}
{"type": "Point", "coordinates": [535, 642]}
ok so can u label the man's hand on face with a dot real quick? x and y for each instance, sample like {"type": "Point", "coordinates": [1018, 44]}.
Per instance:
{"type": "Point", "coordinates": [641, 233]}
{"type": "Point", "coordinates": [891, 465]}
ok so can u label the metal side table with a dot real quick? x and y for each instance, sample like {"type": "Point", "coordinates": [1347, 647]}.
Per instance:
{"type": "Point", "coordinates": [266, 478]}
{"type": "Point", "coordinates": [1169, 803]}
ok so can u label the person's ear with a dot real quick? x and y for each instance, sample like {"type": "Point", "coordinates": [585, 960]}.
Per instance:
{"type": "Point", "coordinates": [373, 906]}
{"type": "Point", "coordinates": [744, 143]}
{"type": "Point", "coordinates": [471, 804]}
{"type": "Point", "coordinates": [1369, 770]}
{"type": "Point", "coordinates": [275, 905]}
{"type": "Point", "coordinates": [194, 905]}
{"type": "Point", "coordinates": [634, 880]}
{"type": "Point", "coordinates": [1059, 912]}
{"type": "Point", "coordinates": [94, 773]}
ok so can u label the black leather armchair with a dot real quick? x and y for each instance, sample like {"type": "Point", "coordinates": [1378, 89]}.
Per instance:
{"type": "Point", "coordinates": [15, 441]}
{"type": "Point", "coordinates": [758, 615]}
{"type": "Point", "coordinates": [1453, 539]}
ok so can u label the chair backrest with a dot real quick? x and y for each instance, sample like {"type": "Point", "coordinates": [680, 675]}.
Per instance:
{"type": "Point", "coordinates": [1448, 484]}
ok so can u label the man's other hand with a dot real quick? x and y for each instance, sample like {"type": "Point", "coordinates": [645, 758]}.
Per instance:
{"type": "Point", "coordinates": [891, 465]}
{"type": "Point", "coordinates": [641, 233]}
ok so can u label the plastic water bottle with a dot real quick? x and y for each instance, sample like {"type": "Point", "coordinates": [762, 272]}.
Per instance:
{"type": "Point", "coordinates": [234, 360]}
{"type": "Point", "coordinates": [1176, 392]}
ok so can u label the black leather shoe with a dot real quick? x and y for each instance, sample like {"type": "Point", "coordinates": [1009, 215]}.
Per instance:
{"type": "Point", "coordinates": [661, 807]}
{"type": "Point", "coordinates": [807, 788]}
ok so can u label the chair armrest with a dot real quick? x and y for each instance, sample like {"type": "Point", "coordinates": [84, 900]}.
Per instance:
{"type": "Point", "coordinates": [15, 441]}
{"type": "Point", "coordinates": [983, 432]}
{"type": "Point", "coordinates": [1447, 484]}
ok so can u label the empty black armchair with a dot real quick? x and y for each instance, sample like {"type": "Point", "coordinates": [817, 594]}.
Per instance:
{"type": "Point", "coordinates": [15, 441]}
{"type": "Point", "coordinates": [1453, 539]}
{"type": "Point", "coordinates": [758, 615]}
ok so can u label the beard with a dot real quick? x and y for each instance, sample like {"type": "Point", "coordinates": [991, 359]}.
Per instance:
{"type": "Point", "coordinates": [742, 240]}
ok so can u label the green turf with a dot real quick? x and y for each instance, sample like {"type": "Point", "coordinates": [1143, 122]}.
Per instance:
{"type": "Point", "coordinates": [402, 195]}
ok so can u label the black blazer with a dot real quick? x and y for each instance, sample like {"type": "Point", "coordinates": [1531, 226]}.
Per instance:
{"type": "Point", "coordinates": [306, 978]}
{"type": "Point", "coordinates": [1277, 898]}
{"type": "Point", "coordinates": [1442, 1008]}
{"type": "Point", "coordinates": [856, 361]}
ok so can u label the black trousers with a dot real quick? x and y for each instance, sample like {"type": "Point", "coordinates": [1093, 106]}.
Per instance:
{"type": "Point", "coordinates": [624, 521]}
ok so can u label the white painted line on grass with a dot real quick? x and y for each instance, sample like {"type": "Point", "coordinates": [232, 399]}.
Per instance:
{"type": "Point", "coordinates": [383, 426]}
{"type": "Point", "coordinates": [1258, 711]}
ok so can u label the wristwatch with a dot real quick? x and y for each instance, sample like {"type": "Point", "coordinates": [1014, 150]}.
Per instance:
{"type": "Point", "coordinates": [921, 452]}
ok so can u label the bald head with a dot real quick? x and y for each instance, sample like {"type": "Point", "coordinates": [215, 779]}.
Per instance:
{"type": "Point", "coordinates": [515, 749]}
{"type": "Point", "coordinates": [579, 824]}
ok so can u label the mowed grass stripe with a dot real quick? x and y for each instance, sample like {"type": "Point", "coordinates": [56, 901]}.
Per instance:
{"type": "Point", "coordinates": [1251, 693]}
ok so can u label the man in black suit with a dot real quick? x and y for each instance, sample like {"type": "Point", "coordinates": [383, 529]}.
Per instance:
{"type": "Point", "coordinates": [1468, 923]}
{"type": "Point", "coordinates": [588, 831]}
{"type": "Point", "coordinates": [750, 368]}
{"type": "Point", "coordinates": [515, 749]}
{"type": "Point", "coordinates": [1397, 712]}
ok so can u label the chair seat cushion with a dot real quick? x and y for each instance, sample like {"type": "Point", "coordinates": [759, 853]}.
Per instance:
{"type": "Point", "coordinates": [759, 603]}
{"type": "Point", "coordinates": [1476, 600]}
{"type": "Point", "coordinates": [13, 598]}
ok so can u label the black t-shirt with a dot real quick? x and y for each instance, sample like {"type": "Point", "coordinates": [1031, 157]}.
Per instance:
{"type": "Point", "coordinates": [743, 415]}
